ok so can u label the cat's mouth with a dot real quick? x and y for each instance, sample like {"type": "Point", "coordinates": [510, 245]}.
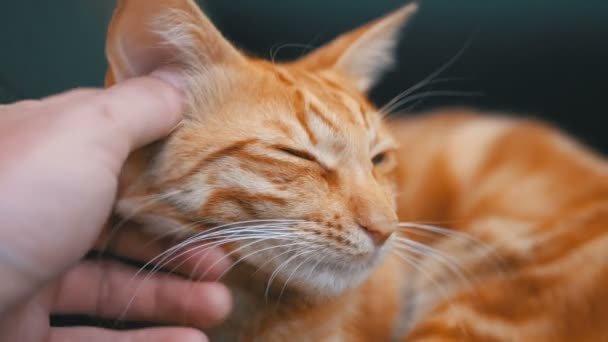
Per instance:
{"type": "Point", "coordinates": [293, 253]}
{"type": "Point", "coordinates": [319, 267]}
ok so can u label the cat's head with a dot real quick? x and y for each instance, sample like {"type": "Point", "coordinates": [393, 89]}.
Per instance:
{"type": "Point", "coordinates": [295, 151]}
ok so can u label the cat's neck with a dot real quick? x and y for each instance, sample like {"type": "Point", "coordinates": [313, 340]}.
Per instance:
{"type": "Point", "coordinates": [279, 313]}
{"type": "Point", "coordinates": [259, 307]}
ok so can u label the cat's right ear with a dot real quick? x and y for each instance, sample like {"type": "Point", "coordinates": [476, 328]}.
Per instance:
{"type": "Point", "coordinates": [145, 35]}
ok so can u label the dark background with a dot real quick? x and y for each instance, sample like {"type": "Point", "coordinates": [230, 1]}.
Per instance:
{"type": "Point", "coordinates": [543, 58]}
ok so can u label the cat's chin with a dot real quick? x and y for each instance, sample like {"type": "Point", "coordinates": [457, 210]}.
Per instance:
{"type": "Point", "coordinates": [333, 281]}
{"type": "Point", "coordinates": [335, 278]}
{"type": "Point", "coordinates": [328, 276]}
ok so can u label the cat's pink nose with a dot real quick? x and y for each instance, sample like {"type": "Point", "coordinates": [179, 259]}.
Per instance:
{"type": "Point", "coordinates": [373, 212]}
{"type": "Point", "coordinates": [378, 235]}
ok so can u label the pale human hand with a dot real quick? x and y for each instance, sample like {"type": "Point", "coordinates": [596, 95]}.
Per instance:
{"type": "Point", "coordinates": [59, 162]}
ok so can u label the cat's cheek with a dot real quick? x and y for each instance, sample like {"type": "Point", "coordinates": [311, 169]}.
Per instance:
{"type": "Point", "coordinates": [163, 226]}
{"type": "Point", "coordinates": [152, 224]}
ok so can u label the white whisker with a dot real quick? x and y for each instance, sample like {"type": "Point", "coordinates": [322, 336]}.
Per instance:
{"type": "Point", "coordinates": [276, 271]}
{"type": "Point", "coordinates": [293, 273]}
{"type": "Point", "coordinates": [259, 251]}
{"type": "Point", "coordinates": [417, 228]}
{"type": "Point", "coordinates": [424, 250]}
{"type": "Point", "coordinates": [390, 106]}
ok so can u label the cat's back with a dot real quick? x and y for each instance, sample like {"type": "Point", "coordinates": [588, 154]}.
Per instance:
{"type": "Point", "coordinates": [455, 153]}
{"type": "Point", "coordinates": [536, 197]}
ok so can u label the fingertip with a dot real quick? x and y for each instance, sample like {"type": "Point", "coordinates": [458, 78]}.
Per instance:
{"type": "Point", "coordinates": [144, 108]}
{"type": "Point", "coordinates": [214, 302]}
{"type": "Point", "coordinates": [172, 97]}
{"type": "Point", "coordinates": [193, 335]}
{"type": "Point", "coordinates": [221, 302]}
{"type": "Point", "coordinates": [170, 76]}
{"type": "Point", "coordinates": [177, 82]}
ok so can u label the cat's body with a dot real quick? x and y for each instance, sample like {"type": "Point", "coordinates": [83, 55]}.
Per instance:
{"type": "Point", "coordinates": [532, 193]}
{"type": "Point", "coordinates": [306, 181]}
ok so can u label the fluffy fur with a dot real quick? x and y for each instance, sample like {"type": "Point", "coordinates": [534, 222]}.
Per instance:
{"type": "Point", "coordinates": [301, 180]}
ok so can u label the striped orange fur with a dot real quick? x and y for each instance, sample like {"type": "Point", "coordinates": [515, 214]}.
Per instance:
{"type": "Point", "coordinates": [298, 148]}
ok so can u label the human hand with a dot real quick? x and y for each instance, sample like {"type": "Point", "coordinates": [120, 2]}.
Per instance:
{"type": "Point", "coordinates": [59, 162]}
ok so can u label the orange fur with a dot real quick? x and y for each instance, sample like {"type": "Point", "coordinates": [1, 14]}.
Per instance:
{"type": "Point", "coordinates": [300, 141]}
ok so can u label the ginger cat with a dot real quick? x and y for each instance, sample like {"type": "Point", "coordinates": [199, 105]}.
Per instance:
{"type": "Point", "coordinates": [295, 173]}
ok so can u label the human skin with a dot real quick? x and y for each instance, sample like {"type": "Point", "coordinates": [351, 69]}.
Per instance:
{"type": "Point", "coordinates": [59, 162]}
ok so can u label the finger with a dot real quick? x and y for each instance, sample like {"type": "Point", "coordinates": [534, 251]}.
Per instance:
{"type": "Point", "coordinates": [145, 108]}
{"type": "Point", "coordinates": [90, 334]}
{"type": "Point", "coordinates": [111, 290]}
{"type": "Point", "coordinates": [195, 261]}
{"type": "Point", "coordinates": [77, 94]}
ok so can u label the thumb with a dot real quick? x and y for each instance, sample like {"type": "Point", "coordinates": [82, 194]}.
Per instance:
{"type": "Point", "coordinates": [145, 108]}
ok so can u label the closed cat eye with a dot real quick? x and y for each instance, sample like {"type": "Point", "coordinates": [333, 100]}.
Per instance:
{"type": "Point", "coordinates": [297, 153]}
{"type": "Point", "coordinates": [379, 158]}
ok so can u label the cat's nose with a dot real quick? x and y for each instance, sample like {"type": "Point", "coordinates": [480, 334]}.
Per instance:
{"type": "Point", "coordinates": [378, 235]}
{"type": "Point", "coordinates": [373, 212]}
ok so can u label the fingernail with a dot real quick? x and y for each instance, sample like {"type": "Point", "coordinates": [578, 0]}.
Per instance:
{"type": "Point", "coordinates": [170, 76]}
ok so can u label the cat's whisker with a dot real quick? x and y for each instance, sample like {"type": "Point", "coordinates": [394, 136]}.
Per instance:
{"type": "Point", "coordinates": [274, 52]}
{"type": "Point", "coordinates": [172, 232]}
{"type": "Point", "coordinates": [293, 273]}
{"type": "Point", "coordinates": [247, 231]}
{"type": "Point", "coordinates": [153, 199]}
{"type": "Point", "coordinates": [418, 228]}
{"type": "Point", "coordinates": [432, 93]}
{"type": "Point", "coordinates": [290, 250]}
{"type": "Point", "coordinates": [229, 268]}
{"type": "Point", "coordinates": [443, 292]}
{"type": "Point", "coordinates": [414, 263]}
{"type": "Point", "coordinates": [247, 223]}
{"type": "Point", "coordinates": [313, 268]}
{"type": "Point", "coordinates": [156, 268]}
{"type": "Point", "coordinates": [230, 232]}
{"type": "Point", "coordinates": [259, 251]}
{"type": "Point", "coordinates": [439, 230]}
{"type": "Point", "coordinates": [265, 235]}
{"type": "Point", "coordinates": [214, 233]}
{"type": "Point", "coordinates": [430, 77]}
{"type": "Point", "coordinates": [218, 240]}
{"type": "Point", "coordinates": [285, 263]}
{"type": "Point", "coordinates": [387, 108]}
{"type": "Point", "coordinates": [258, 240]}
{"type": "Point", "coordinates": [424, 250]}
{"type": "Point", "coordinates": [199, 239]}
{"type": "Point", "coordinates": [260, 267]}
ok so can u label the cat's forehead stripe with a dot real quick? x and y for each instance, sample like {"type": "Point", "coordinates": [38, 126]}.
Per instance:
{"type": "Point", "coordinates": [363, 112]}
{"type": "Point", "coordinates": [284, 76]}
{"type": "Point", "coordinates": [341, 99]}
{"type": "Point", "coordinates": [321, 105]}
{"type": "Point", "coordinates": [301, 115]}
{"type": "Point", "coordinates": [231, 149]}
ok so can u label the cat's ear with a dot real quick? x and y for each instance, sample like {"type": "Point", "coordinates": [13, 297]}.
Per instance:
{"type": "Point", "coordinates": [145, 35]}
{"type": "Point", "coordinates": [363, 54]}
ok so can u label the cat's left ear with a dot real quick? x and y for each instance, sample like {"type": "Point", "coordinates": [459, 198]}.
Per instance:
{"type": "Point", "coordinates": [363, 54]}
{"type": "Point", "coordinates": [145, 35]}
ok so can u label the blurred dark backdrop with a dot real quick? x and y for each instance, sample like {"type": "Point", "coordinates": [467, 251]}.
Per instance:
{"type": "Point", "coordinates": [543, 58]}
